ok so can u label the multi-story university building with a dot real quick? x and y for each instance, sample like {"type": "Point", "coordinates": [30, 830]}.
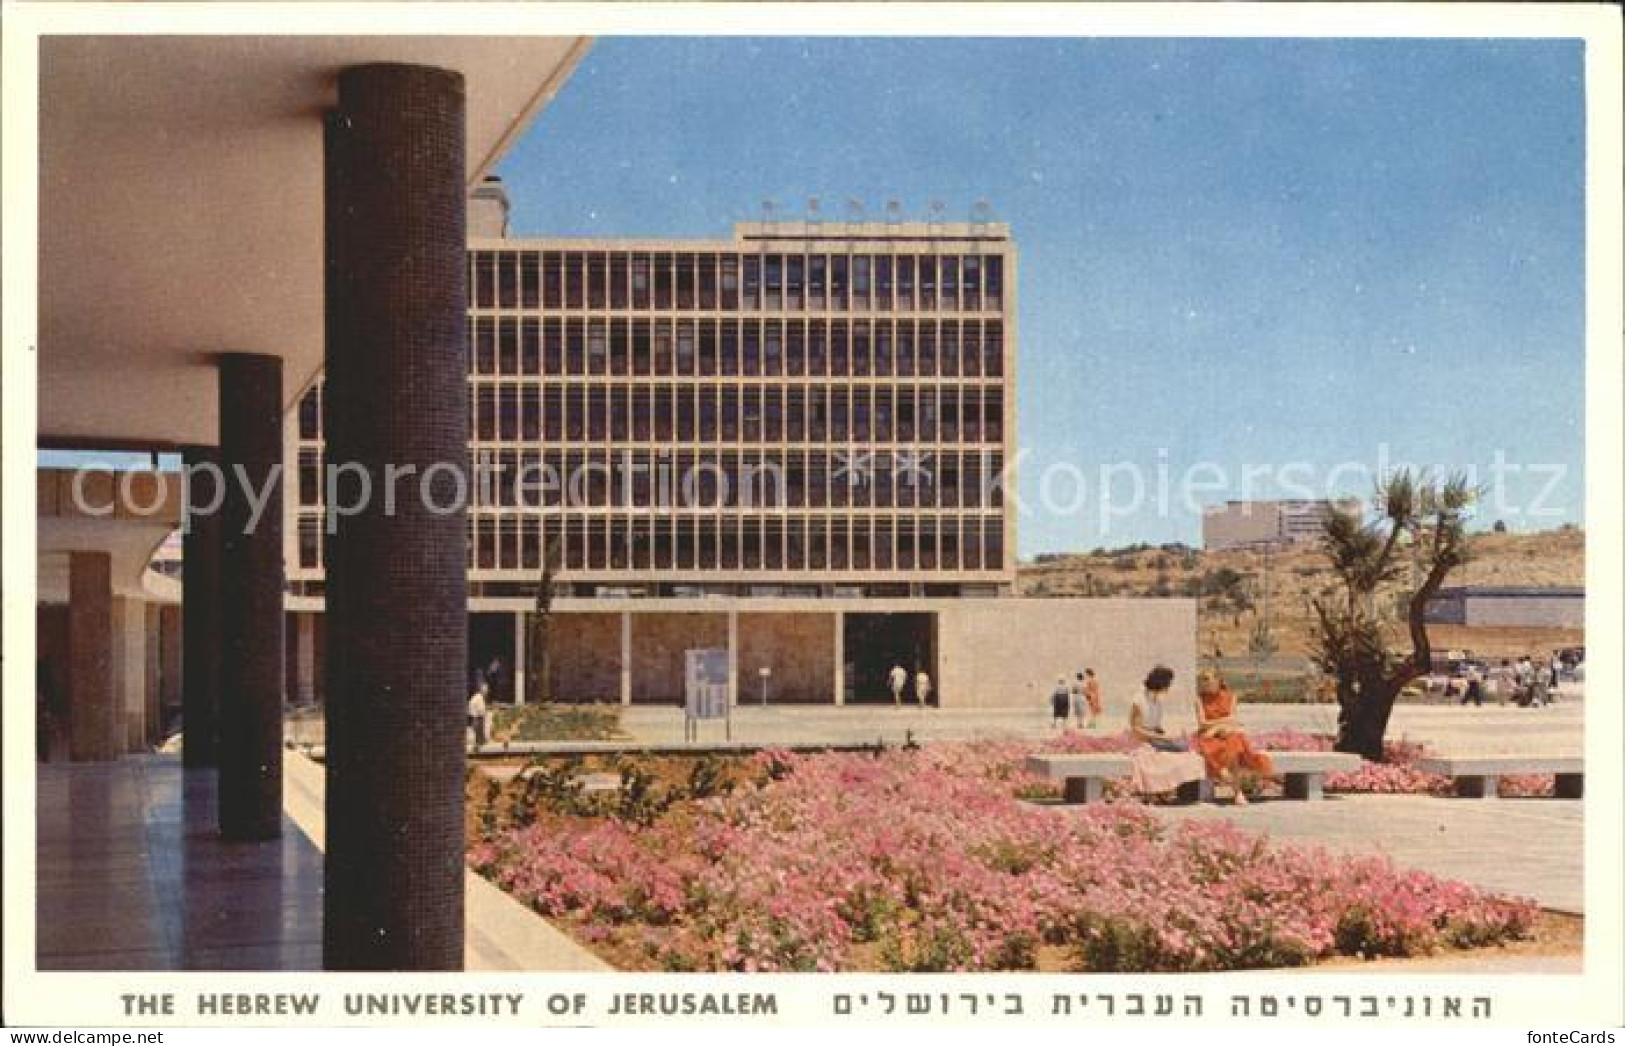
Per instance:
{"type": "Point", "coordinates": [791, 445]}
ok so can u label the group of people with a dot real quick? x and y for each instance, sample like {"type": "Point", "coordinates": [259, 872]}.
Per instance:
{"type": "Point", "coordinates": [1523, 682]}
{"type": "Point", "coordinates": [1218, 749]}
{"type": "Point", "coordinates": [897, 681]}
{"type": "Point", "coordinates": [1079, 699]}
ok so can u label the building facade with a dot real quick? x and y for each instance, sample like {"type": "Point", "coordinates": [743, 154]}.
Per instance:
{"type": "Point", "coordinates": [1242, 523]}
{"type": "Point", "coordinates": [1509, 606]}
{"type": "Point", "coordinates": [790, 444]}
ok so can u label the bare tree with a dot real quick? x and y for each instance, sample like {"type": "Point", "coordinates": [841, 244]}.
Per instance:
{"type": "Point", "coordinates": [1415, 517]}
{"type": "Point", "coordinates": [538, 643]}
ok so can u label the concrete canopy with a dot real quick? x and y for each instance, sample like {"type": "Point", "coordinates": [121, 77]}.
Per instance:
{"type": "Point", "coordinates": [181, 210]}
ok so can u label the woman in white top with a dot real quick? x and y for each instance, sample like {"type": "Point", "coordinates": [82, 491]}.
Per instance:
{"type": "Point", "coordinates": [1161, 764]}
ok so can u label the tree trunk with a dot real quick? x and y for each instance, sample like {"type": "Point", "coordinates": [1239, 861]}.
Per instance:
{"type": "Point", "coordinates": [1363, 722]}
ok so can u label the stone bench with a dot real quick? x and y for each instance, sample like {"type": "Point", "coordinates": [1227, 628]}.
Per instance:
{"type": "Point", "coordinates": [1478, 776]}
{"type": "Point", "coordinates": [1084, 776]}
{"type": "Point", "coordinates": [1303, 774]}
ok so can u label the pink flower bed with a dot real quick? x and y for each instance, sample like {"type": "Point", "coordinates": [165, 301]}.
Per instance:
{"type": "Point", "coordinates": [926, 860]}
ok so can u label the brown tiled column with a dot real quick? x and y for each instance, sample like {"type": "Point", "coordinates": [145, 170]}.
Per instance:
{"type": "Point", "coordinates": [251, 655]}
{"type": "Point", "coordinates": [169, 643]}
{"type": "Point", "coordinates": [152, 693]}
{"type": "Point", "coordinates": [200, 619]}
{"type": "Point", "coordinates": [397, 593]}
{"type": "Point", "coordinates": [93, 718]}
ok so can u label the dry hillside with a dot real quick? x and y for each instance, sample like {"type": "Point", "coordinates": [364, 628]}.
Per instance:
{"type": "Point", "coordinates": [1231, 587]}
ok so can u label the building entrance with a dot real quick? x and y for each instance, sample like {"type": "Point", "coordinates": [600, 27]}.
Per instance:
{"type": "Point", "coordinates": [874, 643]}
{"type": "Point", "coordinates": [490, 654]}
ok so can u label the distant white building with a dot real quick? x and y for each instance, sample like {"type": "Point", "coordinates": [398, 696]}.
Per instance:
{"type": "Point", "coordinates": [1237, 524]}
{"type": "Point", "coordinates": [1509, 606]}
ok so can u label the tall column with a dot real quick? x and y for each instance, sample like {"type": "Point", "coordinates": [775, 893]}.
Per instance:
{"type": "Point", "coordinates": [520, 680]}
{"type": "Point", "coordinates": [200, 618]}
{"type": "Point", "coordinates": [733, 659]}
{"type": "Point", "coordinates": [93, 718]}
{"type": "Point", "coordinates": [840, 657]}
{"type": "Point", "coordinates": [397, 580]}
{"type": "Point", "coordinates": [169, 654]}
{"type": "Point", "coordinates": [130, 671]}
{"type": "Point", "coordinates": [152, 718]}
{"type": "Point", "coordinates": [626, 657]}
{"type": "Point", "coordinates": [252, 657]}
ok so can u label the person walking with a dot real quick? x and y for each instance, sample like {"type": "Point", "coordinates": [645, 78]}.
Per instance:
{"type": "Point", "coordinates": [897, 682]}
{"type": "Point", "coordinates": [1075, 699]}
{"type": "Point", "coordinates": [922, 687]}
{"type": "Point", "coordinates": [1474, 690]}
{"type": "Point", "coordinates": [476, 714]}
{"type": "Point", "coordinates": [1501, 679]}
{"type": "Point", "coordinates": [1091, 696]}
{"type": "Point", "coordinates": [1059, 700]}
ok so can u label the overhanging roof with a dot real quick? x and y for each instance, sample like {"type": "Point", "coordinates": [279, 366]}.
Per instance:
{"type": "Point", "coordinates": [181, 209]}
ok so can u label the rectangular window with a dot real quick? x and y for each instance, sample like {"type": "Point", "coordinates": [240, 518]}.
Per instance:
{"type": "Point", "coordinates": [816, 266]}
{"type": "Point", "coordinates": [773, 349]}
{"type": "Point", "coordinates": [860, 348]}
{"type": "Point", "coordinates": [685, 413]}
{"type": "Point", "coordinates": [860, 282]}
{"type": "Point", "coordinates": [817, 349]}
{"type": "Point", "coordinates": [730, 281]}
{"type": "Point", "coordinates": [663, 413]}
{"type": "Point", "coordinates": [575, 347]}
{"type": "Point", "coordinates": [619, 281]}
{"type": "Point", "coordinates": [508, 346]}
{"type": "Point", "coordinates": [795, 349]}
{"type": "Point", "coordinates": [641, 281]}
{"type": "Point", "coordinates": [972, 268]}
{"type": "Point", "coordinates": [752, 282]}
{"type": "Point", "coordinates": [993, 280]}
{"type": "Point", "coordinates": [620, 362]}
{"type": "Point", "coordinates": [530, 347]}
{"type": "Point", "coordinates": [840, 543]}
{"type": "Point", "coordinates": [950, 282]}
{"type": "Point", "coordinates": [310, 477]}
{"type": "Point", "coordinates": [773, 280]}
{"type": "Point", "coordinates": [928, 281]}
{"type": "Point", "coordinates": [706, 277]}
{"type": "Point", "coordinates": [729, 347]}
{"type": "Point", "coordinates": [792, 281]}
{"type": "Point", "coordinates": [685, 348]}
{"type": "Point", "coordinates": [685, 280]}
{"type": "Point", "coordinates": [553, 347]}
{"type": "Point", "coordinates": [552, 280]}
{"type": "Point", "coordinates": [883, 282]}
{"type": "Point", "coordinates": [642, 358]}
{"type": "Point", "coordinates": [530, 280]}
{"type": "Point", "coordinates": [993, 349]}
{"type": "Point", "coordinates": [597, 280]}
{"type": "Point", "coordinates": [663, 280]}
{"type": "Point", "coordinates": [948, 349]}
{"type": "Point", "coordinates": [708, 348]}
{"type": "Point", "coordinates": [508, 413]}
{"type": "Point", "coordinates": [837, 282]}
{"type": "Point", "coordinates": [905, 282]}
{"type": "Point", "coordinates": [507, 281]}
{"type": "Point", "coordinates": [310, 549]}
{"type": "Point", "coordinates": [310, 413]}
{"type": "Point", "coordinates": [485, 346]}
{"type": "Point", "coordinates": [575, 278]}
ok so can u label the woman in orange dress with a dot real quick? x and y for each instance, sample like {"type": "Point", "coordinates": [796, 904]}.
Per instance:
{"type": "Point", "coordinates": [1223, 747]}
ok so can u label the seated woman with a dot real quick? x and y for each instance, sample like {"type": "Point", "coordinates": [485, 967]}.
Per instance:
{"type": "Point", "coordinates": [1224, 748]}
{"type": "Point", "coordinates": [1160, 763]}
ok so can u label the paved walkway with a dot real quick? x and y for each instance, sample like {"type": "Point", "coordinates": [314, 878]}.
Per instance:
{"type": "Point", "coordinates": [1528, 847]}
{"type": "Point", "coordinates": [1447, 728]}
{"type": "Point", "coordinates": [132, 875]}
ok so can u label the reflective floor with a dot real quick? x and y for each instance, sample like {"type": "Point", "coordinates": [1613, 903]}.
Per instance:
{"type": "Point", "coordinates": [132, 875]}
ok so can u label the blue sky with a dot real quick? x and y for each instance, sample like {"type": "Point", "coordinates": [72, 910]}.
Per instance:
{"type": "Point", "coordinates": [1240, 252]}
